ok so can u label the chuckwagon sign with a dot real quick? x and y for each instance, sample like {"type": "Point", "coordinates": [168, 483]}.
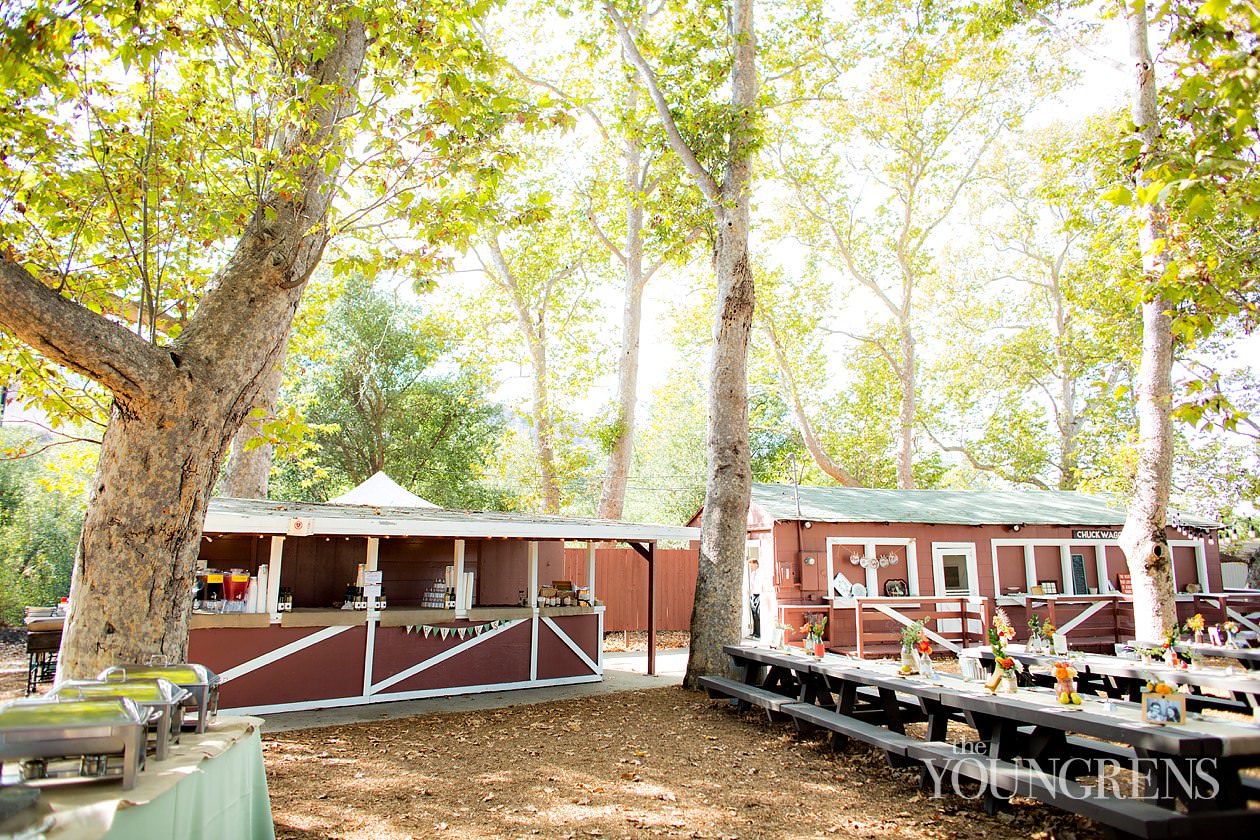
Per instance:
{"type": "Point", "coordinates": [1095, 535]}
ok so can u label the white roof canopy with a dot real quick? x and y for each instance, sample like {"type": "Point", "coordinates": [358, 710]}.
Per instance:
{"type": "Point", "coordinates": [381, 491]}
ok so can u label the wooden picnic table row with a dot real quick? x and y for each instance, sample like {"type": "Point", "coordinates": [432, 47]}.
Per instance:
{"type": "Point", "coordinates": [1126, 679]}
{"type": "Point", "coordinates": [1027, 743]}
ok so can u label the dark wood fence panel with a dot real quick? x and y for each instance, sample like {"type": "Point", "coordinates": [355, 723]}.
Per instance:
{"type": "Point", "coordinates": [621, 583]}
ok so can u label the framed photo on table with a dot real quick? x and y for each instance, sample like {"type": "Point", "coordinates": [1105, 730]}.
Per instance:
{"type": "Point", "coordinates": [1049, 587]}
{"type": "Point", "coordinates": [1164, 709]}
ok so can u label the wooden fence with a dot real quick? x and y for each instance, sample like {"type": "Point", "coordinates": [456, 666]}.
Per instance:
{"type": "Point", "coordinates": [621, 583]}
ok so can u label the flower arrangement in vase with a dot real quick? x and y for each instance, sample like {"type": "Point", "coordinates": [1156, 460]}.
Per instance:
{"type": "Point", "coordinates": [1196, 624]}
{"type": "Point", "coordinates": [813, 628]}
{"type": "Point", "coordinates": [1230, 629]}
{"type": "Point", "coordinates": [1065, 684]}
{"type": "Point", "coordinates": [911, 635]}
{"type": "Point", "coordinates": [1039, 634]}
{"type": "Point", "coordinates": [1005, 667]}
{"type": "Point", "coordinates": [1171, 657]}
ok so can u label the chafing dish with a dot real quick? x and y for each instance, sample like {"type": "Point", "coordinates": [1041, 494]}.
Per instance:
{"type": "Point", "coordinates": [199, 680]}
{"type": "Point", "coordinates": [89, 739]}
{"type": "Point", "coordinates": [165, 698]}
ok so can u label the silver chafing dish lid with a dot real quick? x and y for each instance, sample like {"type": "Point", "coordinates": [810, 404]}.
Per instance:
{"type": "Point", "coordinates": [68, 714]}
{"type": "Point", "coordinates": [181, 674]}
{"type": "Point", "coordinates": [147, 692]}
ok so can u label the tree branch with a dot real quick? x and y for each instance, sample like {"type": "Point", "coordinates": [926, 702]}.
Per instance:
{"type": "Point", "coordinates": [73, 336]}
{"type": "Point", "coordinates": [996, 469]}
{"type": "Point", "coordinates": [705, 181]}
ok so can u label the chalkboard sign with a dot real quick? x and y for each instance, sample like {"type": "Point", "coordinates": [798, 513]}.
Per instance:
{"type": "Point", "coordinates": [1080, 586]}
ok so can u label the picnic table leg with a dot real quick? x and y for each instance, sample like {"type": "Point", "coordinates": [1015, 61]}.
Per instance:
{"type": "Point", "coordinates": [892, 711]}
{"type": "Point", "coordinates": [937, 720]}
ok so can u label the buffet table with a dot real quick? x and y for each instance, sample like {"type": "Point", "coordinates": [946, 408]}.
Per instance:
{"type": "Point", "coordinates": [212, 786]}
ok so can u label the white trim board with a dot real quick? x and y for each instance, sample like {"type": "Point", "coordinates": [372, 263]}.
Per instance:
{"type": "Point", "coordinates": [265, 659]}
{"type": "Point", "coordinates": [358, 700]}
{"type": "Point", "coordinates": [437, 659]}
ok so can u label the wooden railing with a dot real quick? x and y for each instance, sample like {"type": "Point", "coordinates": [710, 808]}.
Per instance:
{"type": "Point", "coordinates": [1242, 607]}
{"type": "Point", "coordinates": [874, 625]}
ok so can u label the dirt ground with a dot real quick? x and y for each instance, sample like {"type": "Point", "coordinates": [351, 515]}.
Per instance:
{"type": "Point", "coordinates": [12, 668]}
{"type": "Point", "coordinates": [664, 762]}
{"type": "Point", "coordinates": [636, 640]}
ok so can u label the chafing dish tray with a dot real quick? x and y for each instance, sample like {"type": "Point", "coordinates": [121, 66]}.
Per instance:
{"type": "Point", "coordinates": [87, 739]}
{"type": "Point", "coordinates": [162, 696]}
{"type": "Point", "coordinates": [199, 680]}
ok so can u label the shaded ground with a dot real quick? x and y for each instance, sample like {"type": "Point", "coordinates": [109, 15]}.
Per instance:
{"type": "Point", "coordinates": [664, 762]}
{"type": "Point", "coordinates": [12, 664]}
{"type": "Point", "coordinates": [618, 641]}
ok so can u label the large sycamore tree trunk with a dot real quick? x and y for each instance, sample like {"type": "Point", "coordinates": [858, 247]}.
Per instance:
{"type": "Point", "coordinates": [715, 618]}
{"type": "Point", "coordinates": [1144, 538]}
{"type": "Point", "coordinates": [177, 407]}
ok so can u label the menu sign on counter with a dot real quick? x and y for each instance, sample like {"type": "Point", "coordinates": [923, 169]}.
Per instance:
{"type": "Point", "coordinates": [373, 577]}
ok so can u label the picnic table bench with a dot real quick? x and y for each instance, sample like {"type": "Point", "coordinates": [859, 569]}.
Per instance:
{"type": "Point", "coordinates": [1028, 744]}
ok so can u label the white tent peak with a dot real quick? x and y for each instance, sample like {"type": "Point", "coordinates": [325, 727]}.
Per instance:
{"type": "Point", "coordinates": [382, 491]}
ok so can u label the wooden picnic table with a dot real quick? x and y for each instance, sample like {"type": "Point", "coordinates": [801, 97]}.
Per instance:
{"type": "Point", "coordinates": [1123, 678]}
{"type": "Point", "coordinates": [1248, 657]}
{"type": "Point", "coordinates": [1028, 743]}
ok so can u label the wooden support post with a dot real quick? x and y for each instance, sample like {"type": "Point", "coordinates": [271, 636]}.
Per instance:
{"type": "Point", "coordinates": [857, 620]}
{"type": "Point", "coordinates": [590, 569]}
{"type": "Point", "coordinates": [273, 578]}
{"type": "Point", "coordinates": [460, 612]}
{"type": "Point", "coordinates": [651, 605]}
{"type": "Point", "coordinates": [648, 552]}
{"type": "Point", "coordinates": [531, 553]}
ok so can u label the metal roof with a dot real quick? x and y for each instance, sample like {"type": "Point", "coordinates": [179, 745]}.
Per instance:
{"type": "Point", "coordinates": [948, 507]}
{"type": "Point", "coordinates": [267, 516]}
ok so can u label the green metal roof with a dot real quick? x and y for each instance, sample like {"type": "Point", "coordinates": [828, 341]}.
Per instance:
{"type": "Point", "coordinates": [948, 507]}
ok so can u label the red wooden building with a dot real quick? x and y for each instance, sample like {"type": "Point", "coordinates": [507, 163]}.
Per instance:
{"type": "Point", "coordinates": [495, 637]}
{"type": "Point", "coordinates": [874, 560]}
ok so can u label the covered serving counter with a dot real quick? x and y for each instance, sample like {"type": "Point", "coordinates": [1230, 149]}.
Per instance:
{"type": "Point", "coordinates": [498, 634]}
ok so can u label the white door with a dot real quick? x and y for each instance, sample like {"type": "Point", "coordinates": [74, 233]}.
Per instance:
{"type": "Point", "coordinates": [955, 572]}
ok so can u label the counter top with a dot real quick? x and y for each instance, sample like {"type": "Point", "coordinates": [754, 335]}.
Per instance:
{"type": "Point", "coordinates": [327, 617]}
{"type": "Point", "coordinates": [204, 621]}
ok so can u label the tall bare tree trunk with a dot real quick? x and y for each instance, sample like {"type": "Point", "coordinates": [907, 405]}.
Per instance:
{"type": "Point", "coordinates": [612, 500]}
{"type": "Point", "coordinates": [249, 467]}
{"type": "Point", "coordinates": [1144, 538]}
{"type": "Point", "coordinates": [715, 619]}
{"type": "Point", "coordinates": [533, 330]}
{"type": "Point", "coordinates": [177, 407]}
{"type": "Point", "coordinates": [905, 420]}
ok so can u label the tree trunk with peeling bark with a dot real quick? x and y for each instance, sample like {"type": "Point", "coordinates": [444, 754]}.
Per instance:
{"type": "Point", "coordinates": [905, 421]}
{"type": "Point", "coordinates": [715, 618]}
{"type": "Point", "coordinates": [612, 499]}
{"type": "Point", "coordinates": [1144, 536]}
{"type": "Point", "coordinates": [248, 471]}
{"type": "Point", "coordinates": [176, 407]}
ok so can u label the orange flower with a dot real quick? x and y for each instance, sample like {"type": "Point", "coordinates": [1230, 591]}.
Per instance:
{"type": "Point", "coordinates": [1163, 688]}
